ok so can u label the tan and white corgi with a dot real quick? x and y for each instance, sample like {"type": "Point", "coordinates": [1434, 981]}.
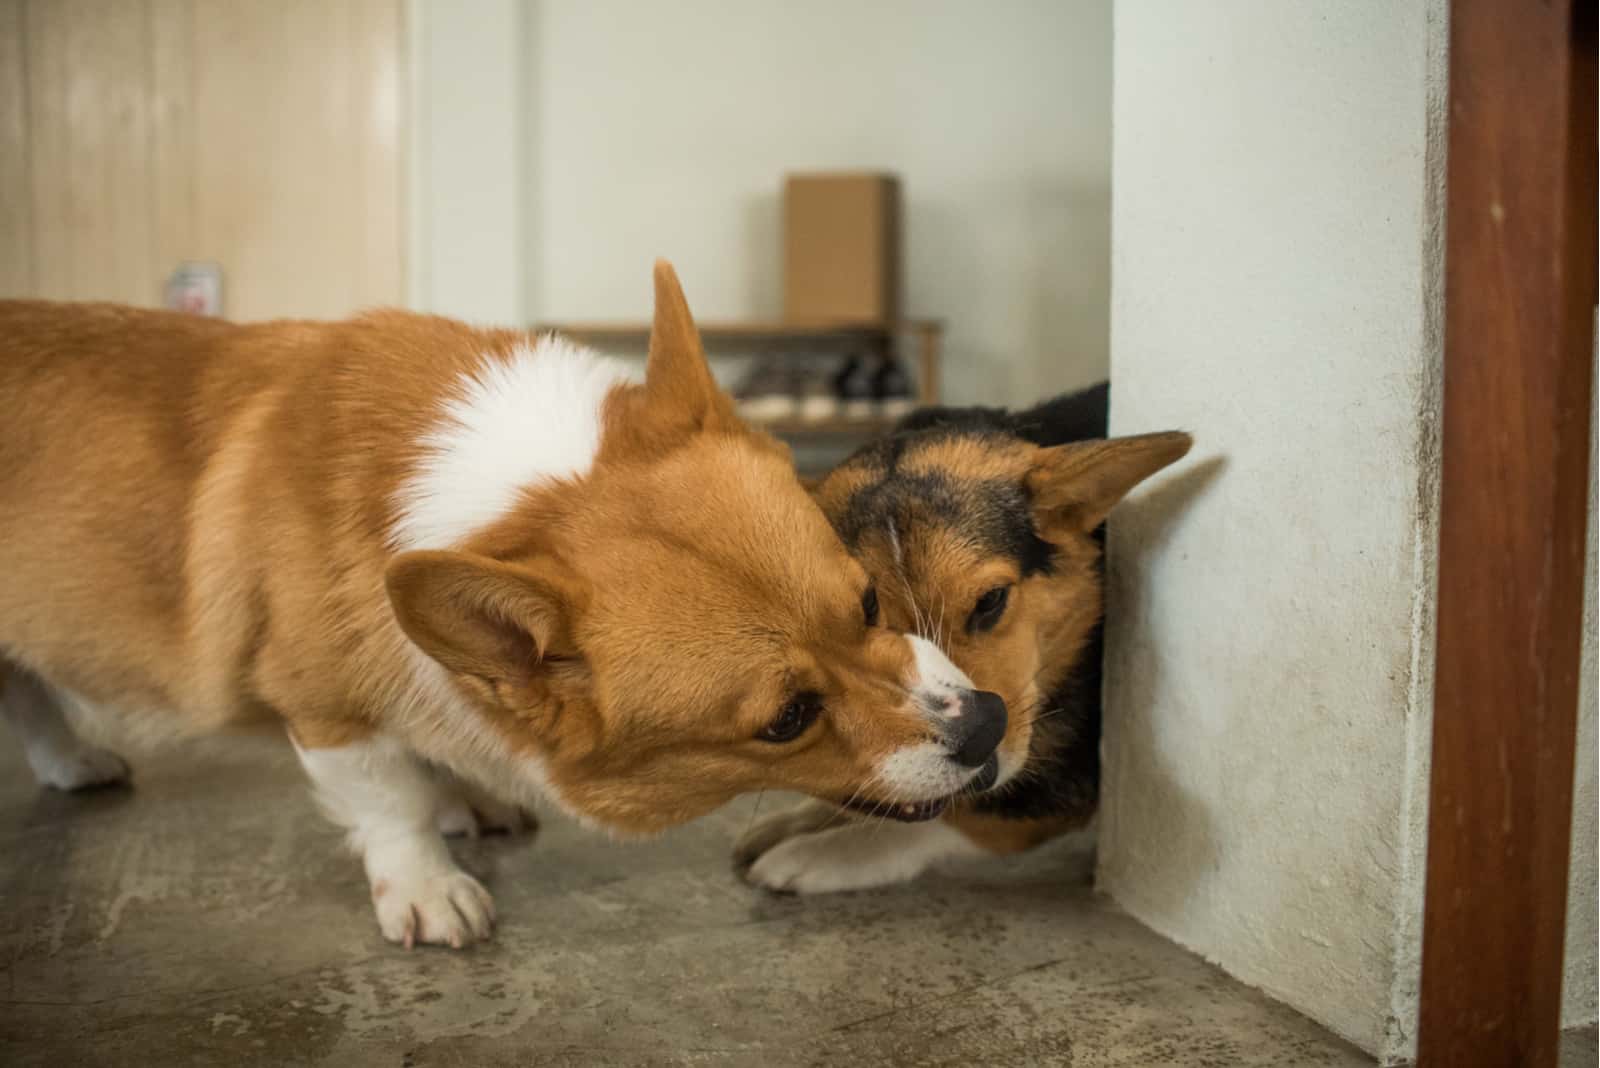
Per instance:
{"type": "Point", "coordinates": [463, 568]}
{"type": "Point", "coordinates": [982, 529]}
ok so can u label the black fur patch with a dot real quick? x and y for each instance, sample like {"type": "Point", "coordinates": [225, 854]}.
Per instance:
{"type": "Point", "coordinates": [1078, 416]}
{"type": "Point", "coordinates": [1074, 417]}
{"type": "Point", "coordinates": [995, 515]}
{"type": "Point", "coordinates": [992, 515]}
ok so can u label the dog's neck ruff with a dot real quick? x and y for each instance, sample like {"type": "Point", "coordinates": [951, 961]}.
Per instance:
{"type": "Point", "coordinates": [520, 419]}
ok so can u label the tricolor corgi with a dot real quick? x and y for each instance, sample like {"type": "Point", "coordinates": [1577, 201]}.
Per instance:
{"type": "Point", "coordinates": [982, 531]}
{"type": "Point", "coordinates": [462, 568]}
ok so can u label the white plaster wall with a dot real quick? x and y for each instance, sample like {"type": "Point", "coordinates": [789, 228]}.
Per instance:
{"type": "Point", "coordinates": [1580, 992]}
{"type": "Point", "coordinates": [665, 129]}
{"type": "Point", "coordinates": [467, 172]}
{"type": "Point", "coordinates": [1277, 190]}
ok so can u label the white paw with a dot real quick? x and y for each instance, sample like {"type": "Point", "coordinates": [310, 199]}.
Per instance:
{"type": "Point", "coordinates": [776, 827]}
{"type": "Point", "coordinates": [79, 767]}
{"type": "Point", "coordinates": [483, 815]}
{"type": "Point", "coordinates": [807, 864]}
{"type": "Point", "coordinates": [857, 856]}
{"type": "Point", "coordinates": [448, 908]}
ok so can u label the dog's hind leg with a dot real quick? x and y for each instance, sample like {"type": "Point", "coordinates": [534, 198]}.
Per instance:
{"type": "Point", "coordinates": [58, 757]}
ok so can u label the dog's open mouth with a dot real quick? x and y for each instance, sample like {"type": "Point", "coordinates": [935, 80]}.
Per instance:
{"type": "Point", "coordinates": [918, 811]}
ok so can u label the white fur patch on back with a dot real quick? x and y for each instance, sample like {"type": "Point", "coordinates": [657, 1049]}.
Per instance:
{"type": "Point", "coordinates": [531, 417]}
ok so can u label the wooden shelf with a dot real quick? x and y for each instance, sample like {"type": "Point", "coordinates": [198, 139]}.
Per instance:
{"type": "Point", "coordinates": [746, 333]}
{"type": "Point", "coordinates": [793, 426]}
{"type": "Point", "coordinates": [762, 334]}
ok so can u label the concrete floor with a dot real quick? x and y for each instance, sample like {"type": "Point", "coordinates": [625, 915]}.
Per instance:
{"type": "Point", "coordinates": [209, 916]}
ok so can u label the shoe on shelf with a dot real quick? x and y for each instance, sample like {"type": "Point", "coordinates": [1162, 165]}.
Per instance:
{"type": "Point", "coordinates": [769, 391]}
{"type": "Point", "coordinates": [852, 384]}
{"type": "Point", "coordinates": [818, 401]}
{"type": "Point", "coordinates": [892, 387]}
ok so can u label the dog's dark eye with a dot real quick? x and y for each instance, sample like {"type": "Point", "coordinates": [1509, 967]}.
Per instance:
{"type": "Point", "coordinates": [791, 722]}
{"type": "Point", "coordinates": [990, 607]}
{"type": "Point", "coordinates": [869, 606]}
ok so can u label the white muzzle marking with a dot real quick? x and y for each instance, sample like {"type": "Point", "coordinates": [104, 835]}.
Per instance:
{"type": "Point", "coordinates": [925, 771]}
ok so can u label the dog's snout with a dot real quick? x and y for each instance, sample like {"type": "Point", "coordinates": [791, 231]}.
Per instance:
{"type": "Point", "coordinates": [974, 732]}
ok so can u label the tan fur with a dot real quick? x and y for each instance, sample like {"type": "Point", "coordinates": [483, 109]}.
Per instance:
{"type": "Point", "coordinates": [195, 523]}
{"type": "Point", "coordinates": [1003, 836]}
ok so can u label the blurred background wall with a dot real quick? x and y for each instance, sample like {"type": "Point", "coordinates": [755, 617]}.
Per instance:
{"type": "Point", "coordinates": [524, 160]}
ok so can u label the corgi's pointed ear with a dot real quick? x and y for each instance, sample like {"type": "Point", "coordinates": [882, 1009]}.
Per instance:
{"type": "Point", "coordinates": [485, 619]}
{"type": "Point", "coordinates": [677, 379]}
{"type": "Point", "coordinates": [1077, 485]}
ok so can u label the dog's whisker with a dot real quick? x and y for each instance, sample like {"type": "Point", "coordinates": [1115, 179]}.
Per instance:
{"type": "Point", "coordinates": [866, 787]}
{"type": "Point", "coordinates": [859, 790]}
{"type": "Point", "coordinates": [1040, 716]}
{"type": "Point", "coordinates": [921, 622]}
{"type": "Point", "coordinates": [754, 811]}
{"type": "Point", "coordinates": [1037, 675]}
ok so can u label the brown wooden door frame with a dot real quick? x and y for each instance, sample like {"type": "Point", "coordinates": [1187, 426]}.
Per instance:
{"type": "Point", "coordinates": [1520, 289]}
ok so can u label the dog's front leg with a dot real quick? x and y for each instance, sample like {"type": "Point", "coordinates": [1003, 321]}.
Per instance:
{"type": "Point", "coordinates": [390, 803]}
{"type": "Point", "coordinates": [855, 856]}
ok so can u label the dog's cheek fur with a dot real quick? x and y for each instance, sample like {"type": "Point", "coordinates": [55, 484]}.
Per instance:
{"type": "Point", "coordinates": [634, 785]}
{"type": "Point", "coordinates": [1067, 605]}
{"type": "Point", "coordinates": [1050, 621]}
{"type": "Point", "coordinates": [1006, 662]}
{"type": "Point", "coordinates": [663, 791]}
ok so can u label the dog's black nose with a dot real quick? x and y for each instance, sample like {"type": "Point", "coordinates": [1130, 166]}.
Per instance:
{"type": "Point", "coordinates": [976, 730]}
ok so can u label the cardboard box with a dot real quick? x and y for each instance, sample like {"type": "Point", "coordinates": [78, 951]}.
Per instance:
{"type": "Point", "coordinates": [841, 248]}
